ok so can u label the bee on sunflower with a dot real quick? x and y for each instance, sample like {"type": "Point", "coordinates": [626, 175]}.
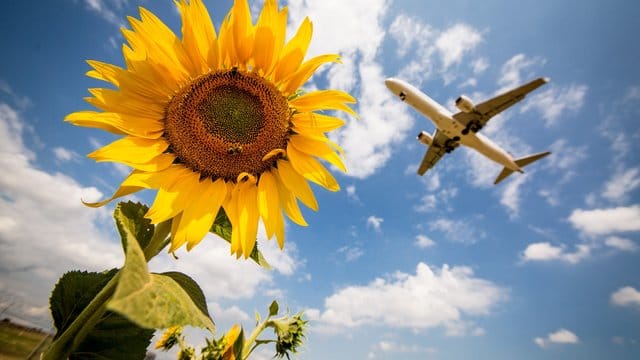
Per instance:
{"type": "Point", "coordinates": [216, 120]}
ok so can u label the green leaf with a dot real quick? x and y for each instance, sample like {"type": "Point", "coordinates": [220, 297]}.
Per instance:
{"type": "Point", "coordinates": [156, 300]}
{"type": "Point", "coordinates": [113, 337]}
{"type": "Point", "coordinates": [273, 308]}
{"type": "Point", "coordinates": [222, 227]}
{"type": "Point", "coordinates": [256, 256]}
{"type": "Point", "coordinates": [131, 223]}
{"type": "Point", "coordinates": [238, 345]}
{"type": "Point", "coordinates": [191, 288]}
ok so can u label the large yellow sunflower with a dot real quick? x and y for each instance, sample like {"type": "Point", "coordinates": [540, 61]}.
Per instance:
{"type": "Point", "coordinates": [216, 120]}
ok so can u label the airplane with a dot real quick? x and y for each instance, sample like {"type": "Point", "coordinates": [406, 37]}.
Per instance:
{"type": "Point", "coordinates": [452, 130]}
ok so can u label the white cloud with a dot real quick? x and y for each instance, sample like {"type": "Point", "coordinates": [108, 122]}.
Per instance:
{"type": "Point", "coordinates": [42, 218]}
{"type": "Point", "coordinates": [544, 251]}
{"type": "Point", "coordinates": [479, 65]}
{"type": "Point", "coordinates": [231, 314]}
{"type": "Point", "coordinates": [455, 42]}
{"type": "Point", "coordinates": [351, 253]}
{"type": "Point", "coordinates": [22, 102]}
{"type": "Point", "coordinates": [511, 71]}
{"type": "Point", "coordinates": [621, 184]}
{"type": "Point", "coordinates": [626, 296]}
{"type": "Point", "coordinates": [406, 30]}
{"type": "Point", "coordinates": [556, 101]}
{"type": "Point", "coordinates": [375, 223]}
{"type": "Point", "coordinates": [427, 203]}
{"type": "Point", "coordinates": [457, 230]}
{"type": "Point", "coordinates": [393, 347]}
{"type": "Point", "coordinates": [433, 49]}
{"type": "Point", "coordinates": [342, 30]}
{"type": "Point", "coordinates": [621, 244]}
{"type": "Point", "coordinates": [106, 11]}
{"type": "Point", "coordinates": [351, 193]}
{"type": "Point", "coordinates": [442, 297]}
{"type": "Point", "coordinates": [510, 195]}
{"type": "Point", "coordinates": [606, 221]}
{"type": "Point", "coordinates": [633, 93]}
{"type": "Point", "coordinates": [562, 336]}
{"type": "Point", "coordinates": [384, 120]}
{"type": "Point", "coordinates": [423, 242]}
{"type": "Point", "coordinates": [63, 154]}
{"type": "Point", "coordinates": [564, 159]}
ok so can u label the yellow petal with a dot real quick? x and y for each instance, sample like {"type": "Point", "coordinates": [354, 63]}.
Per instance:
{"type": "Point", "coordinates": [297, 79]}
{"type": "Point", "coordinates": [314, 122]}
{"type": "Point", "coordinates": [242, 30]}
{"type": "Point", "coordinates": [297, 184]}
{"type": "Point", "coordinates": [170, 202]}
{"type": "Point", "coordinates": [198, 35]}
{"type": "Point", "coordinates": [158, 163]}
{"type": "Point", "coordinates": [288, 202]}
{"type": "Point", "coordinates": [175, 225]}
{"type": "Point", "coordinates": [131, 149]}
{"type": "Point", "coordinates": [228, 56]}
{"type": "Point", "coordinates": [324, 100]}
{"type": "Point", "coordinates": [247, 215]}
{"type": "Point", "coordinates": [114, 101]}
{"type": "Point", "coordinates": [126, 81]}
{"type": "Point", "coordinates": [138, 63]}
{"type": "Point", "coordinates": [294, 52]}
{"type": "Point", "coordinates": [311, 169]}
{"type": "Point", "coordinates": [155, 180]}
{"type": "Point", "coordinates": [231, 337]}
{"type": "Point", "coordinates": [198, 217]}
{"type": "Point", "coordinates": [122, 191]}
{"type": "Point", "coordinates": [264, 47]}
{"type": "Point", "coordinates": [161, 42]}
{"type": "Point", "coordinates": [269, 206]}
{"type": "Point", "coordinates": [317, 147]}
{"type": "Point", "coordinates": [121, 124]}
{"type": "Point", "coordinates": [148, 50]}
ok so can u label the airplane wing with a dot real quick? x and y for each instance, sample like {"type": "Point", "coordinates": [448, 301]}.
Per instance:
{"type": "Point", "coordinates": [492, 107]}
{"type": "Point", "coordinates": [436, 150]}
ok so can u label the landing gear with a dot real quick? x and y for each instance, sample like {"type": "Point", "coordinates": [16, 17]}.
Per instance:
{"type": "Point", "coordinates": [451, 144]}
{"type": "Point", "coordinates": [472, 126]}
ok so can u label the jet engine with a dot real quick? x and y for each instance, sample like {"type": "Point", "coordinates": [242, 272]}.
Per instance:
{"type": "Point", "coordinates": [465, 104]}
{"type": "Point", "coordinates": [425, 138]}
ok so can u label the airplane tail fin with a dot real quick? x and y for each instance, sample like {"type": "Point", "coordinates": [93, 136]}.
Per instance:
{"type": "Point", "coordinates": [522, 162]}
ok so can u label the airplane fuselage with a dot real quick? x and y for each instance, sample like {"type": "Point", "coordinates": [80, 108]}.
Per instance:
{"type": "Point", "coordinates": [443, 119]}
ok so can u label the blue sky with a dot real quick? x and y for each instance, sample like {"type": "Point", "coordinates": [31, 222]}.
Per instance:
{"type": "Point", "coordinates": [447, 266]}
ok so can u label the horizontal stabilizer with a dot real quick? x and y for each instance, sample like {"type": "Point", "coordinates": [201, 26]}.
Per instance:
{"type": "Point", "coordinates": [522, 162]}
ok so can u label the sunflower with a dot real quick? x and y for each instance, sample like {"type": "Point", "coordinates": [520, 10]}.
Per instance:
{"type": "Point", "coordinates": [216, 120]}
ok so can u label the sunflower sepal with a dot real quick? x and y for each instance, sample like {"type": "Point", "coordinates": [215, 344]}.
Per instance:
{"type": "Point", "coordinates": [222, 227]}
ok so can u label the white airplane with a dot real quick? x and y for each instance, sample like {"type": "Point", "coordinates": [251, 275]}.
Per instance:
{"type": "Point", "coordinates": [462, 127]}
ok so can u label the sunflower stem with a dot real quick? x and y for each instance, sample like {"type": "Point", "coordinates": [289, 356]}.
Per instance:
{"type": "Point", "coordinates": [248, 349]}
{"type": "Point", "coordinates": [73, 336]}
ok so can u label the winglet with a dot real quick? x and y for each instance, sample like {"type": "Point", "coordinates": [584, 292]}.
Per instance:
{"type": "Point", "coordinates": [522, 162]}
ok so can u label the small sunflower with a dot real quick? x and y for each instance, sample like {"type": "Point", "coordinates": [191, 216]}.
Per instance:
{"type": "Point", "coordinates": [217, 121]}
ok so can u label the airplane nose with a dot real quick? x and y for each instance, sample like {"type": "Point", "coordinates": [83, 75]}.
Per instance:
{"type": "Point", "coordinates": [392, 85]}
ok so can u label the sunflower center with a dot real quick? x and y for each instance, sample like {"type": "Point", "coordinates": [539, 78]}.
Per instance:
{"type": "Point", "coordinates": [225, 122]}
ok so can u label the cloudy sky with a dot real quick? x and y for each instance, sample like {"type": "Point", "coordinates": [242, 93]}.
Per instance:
{"type": "Point", "coordinates": [445, 266]}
